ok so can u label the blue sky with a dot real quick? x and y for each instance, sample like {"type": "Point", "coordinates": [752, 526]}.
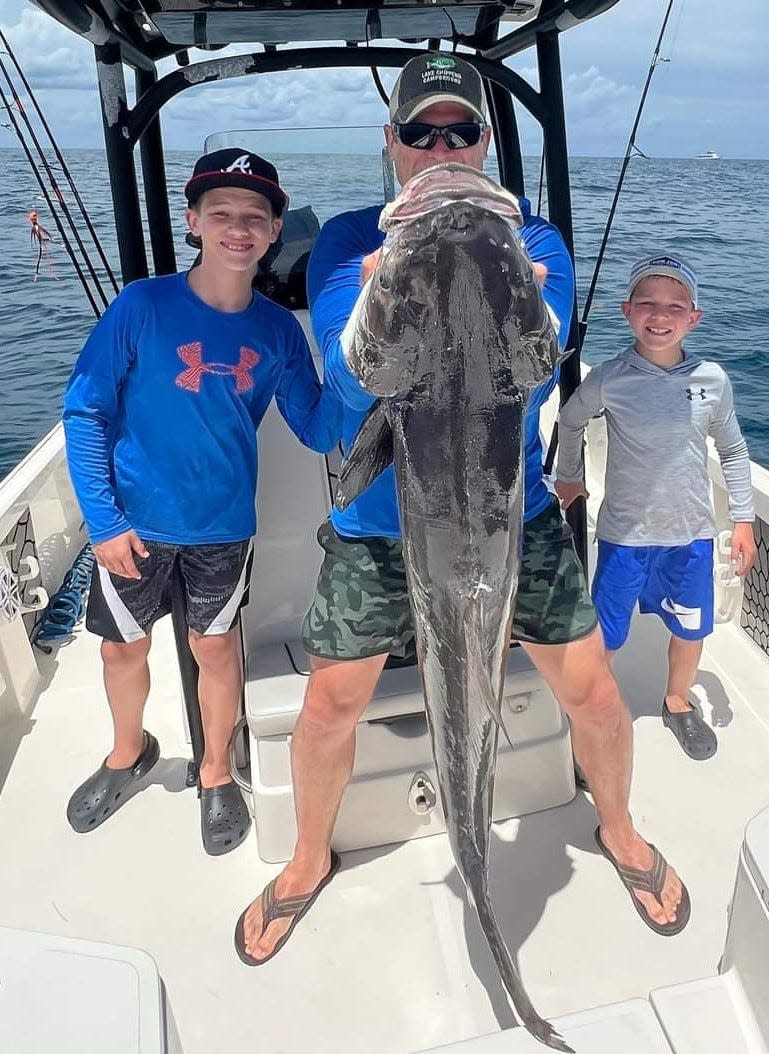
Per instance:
{"type": "Point", "coordinates": [710, 95]}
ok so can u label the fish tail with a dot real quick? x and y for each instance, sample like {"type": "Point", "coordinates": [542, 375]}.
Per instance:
{"type": "Point", "coordinates": [527, 1015]}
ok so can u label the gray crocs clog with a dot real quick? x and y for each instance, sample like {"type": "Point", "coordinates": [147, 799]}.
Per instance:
{"type": "Point", "coordinates": [106, 790]}
{"type": "Point", "coordinates": [697, 739]}
{"type": "Point", "coordinates": [224, 818]}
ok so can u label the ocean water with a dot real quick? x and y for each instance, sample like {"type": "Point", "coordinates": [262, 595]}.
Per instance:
{"type": "Point", "coordinates": [712, 212]}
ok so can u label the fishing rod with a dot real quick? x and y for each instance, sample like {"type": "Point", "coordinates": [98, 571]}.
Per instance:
{"type": "Point", "coordinates": [541, 181]}
{"type": "Point", "coordinates": [52, 179]}
{"type": "Point", "coordinates": [57, 220]}
{"type": "Point", "coordinates": [64, 167]}
{"type": "Point", "coordinates": [552, 449]}
{"type": "Point", "coordinates": [656, 61]}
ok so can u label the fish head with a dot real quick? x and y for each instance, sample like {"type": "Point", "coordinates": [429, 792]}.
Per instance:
{"type": "Point", "coordinates": [434, 188]}
{"type": "Point", "coordinates": [452, 260]}
{"type": "Point", "coordinates": [483, 261]}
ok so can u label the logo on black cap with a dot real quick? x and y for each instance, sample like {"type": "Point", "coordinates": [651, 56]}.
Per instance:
{"type": "Point", "coordinates": [442, 62]}
{"type": "Point", "coordinates": [432, 78]}
{"type": "Point", "coordinates": [240, 164]}
{"type": "Point", "coordinates": [236, 167]}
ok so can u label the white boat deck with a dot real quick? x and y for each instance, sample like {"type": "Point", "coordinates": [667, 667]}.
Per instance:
{"type": "Point", "coordinates": [389, 960]}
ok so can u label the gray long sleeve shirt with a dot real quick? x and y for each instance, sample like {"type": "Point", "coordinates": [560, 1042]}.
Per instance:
{"type": "Point", "coordinates": [657, 490]}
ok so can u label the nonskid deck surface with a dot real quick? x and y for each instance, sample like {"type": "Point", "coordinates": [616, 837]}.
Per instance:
{"type": "Point", "coordinates": [389, 960]}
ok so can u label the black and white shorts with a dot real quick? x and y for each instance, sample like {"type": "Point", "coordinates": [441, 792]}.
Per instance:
{"type": "Point", "coordinates": [214, 580]}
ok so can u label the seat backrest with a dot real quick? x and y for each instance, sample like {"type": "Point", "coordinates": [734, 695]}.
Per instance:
{"type": "Point", "coordinates": [293, 499]}
{"type": "Point", "coordinates": [282, 271]}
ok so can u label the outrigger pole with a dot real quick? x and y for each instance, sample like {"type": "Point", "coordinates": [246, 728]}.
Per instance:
{"type": "Point", "coordinates": [46, 166]}
{"type": "Point", "coordinates": [64, 167]}
{"type": "Point", "coordinates": [4, 101]}
{"type": "Point", "coordinates": [576, 514]}
{"type": "Point", "coordinates": [655, 62]}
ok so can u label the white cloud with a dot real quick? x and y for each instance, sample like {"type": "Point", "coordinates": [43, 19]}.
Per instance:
{"type": "Point", "coordinates": [710, 94]}
{"type": "Point", "coordinates": [50, 55]}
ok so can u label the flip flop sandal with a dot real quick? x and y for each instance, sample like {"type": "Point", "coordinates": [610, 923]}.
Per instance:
{"type": "Point", "coordinates": [697, 739]}
{"type": "Point", "coordinates": [107, 789]}
{"type": "Point", "coordinates": [281, 908]}
{"type": "Point", "coordinates": [651, 881]}
{"type": "Point", "coordinates": [224, 818]}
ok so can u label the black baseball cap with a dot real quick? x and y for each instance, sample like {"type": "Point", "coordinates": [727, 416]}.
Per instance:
{"type": "Point", "coordinates": [235, 167]}
{"type": "Point", "coordinates": [436, 77]}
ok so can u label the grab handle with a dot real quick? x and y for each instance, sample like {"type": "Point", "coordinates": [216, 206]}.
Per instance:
{"type": "Point", "coordinates": [729, 586]}
{"type": "Point", "coordinates": [241, 781]}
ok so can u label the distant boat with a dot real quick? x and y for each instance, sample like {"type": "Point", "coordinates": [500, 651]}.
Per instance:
{"type": "Point", "coordinates": [709, 155]}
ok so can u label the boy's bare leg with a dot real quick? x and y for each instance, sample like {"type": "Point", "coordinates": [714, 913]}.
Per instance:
{"type": "Point", "coordinates": [127, 683]}
{"type": "Point", "coordinates": [683, 660]}
{"type": "Point", "coordinates": [322, 755]}
{"type": "Point", "coordinates": [579, 675]}
{"type": "Point", "coordinates": [220, 686]}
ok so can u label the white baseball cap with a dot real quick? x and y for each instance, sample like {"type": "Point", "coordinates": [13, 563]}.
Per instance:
{"type": "Point", "coordinates": [667, 267]}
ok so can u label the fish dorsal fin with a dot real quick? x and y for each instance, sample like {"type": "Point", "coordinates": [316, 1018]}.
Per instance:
{"type": "Point", "coordinates": [369, 455]}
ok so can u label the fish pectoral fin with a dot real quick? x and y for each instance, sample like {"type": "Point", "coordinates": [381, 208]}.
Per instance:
{"type": "Point", "coordinates": [492, 701]}
{"type": "Point", "coordinates": [496, 713]}
{"type": "Point", "coordinates": [369, 455]}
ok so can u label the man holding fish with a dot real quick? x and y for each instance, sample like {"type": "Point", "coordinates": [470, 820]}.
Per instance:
{"type": "Point", "coordinates": [361, 612]}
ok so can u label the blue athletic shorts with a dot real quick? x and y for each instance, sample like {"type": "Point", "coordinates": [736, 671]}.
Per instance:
{"type": "Point", "coordinates": [674, 582]}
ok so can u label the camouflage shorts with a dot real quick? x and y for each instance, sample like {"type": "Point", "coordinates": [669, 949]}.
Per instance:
{"type": "Point", "coordinates": [361, 605]}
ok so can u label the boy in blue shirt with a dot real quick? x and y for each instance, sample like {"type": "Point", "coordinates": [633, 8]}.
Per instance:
{"type": "Point", "coordinates": [160, 419]}
{"type": "Point", "coordinates": [656, 525]}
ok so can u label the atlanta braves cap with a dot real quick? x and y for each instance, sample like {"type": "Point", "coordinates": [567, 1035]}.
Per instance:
{"type": "Point", "coordinates": [432, 78]}
{"type": "Point", "coordinates": [235, 167]}
{"type": "Point", "coordinates": [667, 267]}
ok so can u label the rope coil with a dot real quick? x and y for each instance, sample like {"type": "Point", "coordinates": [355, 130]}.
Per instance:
{"type": "Point", "coordinates": [67, 605]}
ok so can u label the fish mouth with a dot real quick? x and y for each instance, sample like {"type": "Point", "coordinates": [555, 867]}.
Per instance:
{"type": "Point", "coordinates": [446, 184]}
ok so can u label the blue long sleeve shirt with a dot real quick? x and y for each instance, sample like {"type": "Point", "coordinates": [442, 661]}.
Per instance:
{"type": "Point", "coordinates": [161, 412]}
{"type": "Point", "coordinates": [333, 286]}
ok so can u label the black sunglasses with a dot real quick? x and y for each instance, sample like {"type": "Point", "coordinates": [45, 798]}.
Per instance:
{"type": "Point", "coordinates": [424, 136]}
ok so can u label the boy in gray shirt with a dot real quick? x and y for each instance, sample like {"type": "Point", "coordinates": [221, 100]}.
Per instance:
{"type": "Point", "coordinates": [656, 524]}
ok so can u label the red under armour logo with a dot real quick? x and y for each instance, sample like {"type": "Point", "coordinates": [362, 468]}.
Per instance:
{"type": "Point", "coordinates": [192, 354]}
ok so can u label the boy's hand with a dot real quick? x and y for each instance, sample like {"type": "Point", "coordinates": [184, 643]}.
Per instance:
{"type": "Point", "coordinates": [569, 492]}
{"type": "Point", "coordinates": [368, 266]}
{"type": "Point", "coordinates": [117, 554]}
{"type": "Point", "coordinates": [540, 273]}
{"type": "Point", "coordinates": [743, 553]}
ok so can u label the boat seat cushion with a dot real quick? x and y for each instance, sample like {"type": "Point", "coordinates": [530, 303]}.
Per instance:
{"type": "Point", "coordinates": [276, 678]}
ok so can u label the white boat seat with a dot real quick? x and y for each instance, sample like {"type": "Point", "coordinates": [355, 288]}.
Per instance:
{"type": "Point", "coordinates": [276, 677]}
{"type": "Point", "coordinates": [78, 997]}
{"type": "Point", "coordinates": [393, 753]}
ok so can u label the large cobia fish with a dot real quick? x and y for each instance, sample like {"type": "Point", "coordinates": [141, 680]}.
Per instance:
{"type": "Point", "coordinates": [451, 333]}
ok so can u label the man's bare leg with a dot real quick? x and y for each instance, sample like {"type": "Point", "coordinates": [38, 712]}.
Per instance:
{"type": "Point", "coordinates": [220, 686]}
{"type": "Point", "coordinates": [601, 730]}
{"type": "Point", "coordinates": [127, 683]}
{"type": "Point", "coordinates": [322, 755]}
{"type": "Point", "coordinates": [683, 660]}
